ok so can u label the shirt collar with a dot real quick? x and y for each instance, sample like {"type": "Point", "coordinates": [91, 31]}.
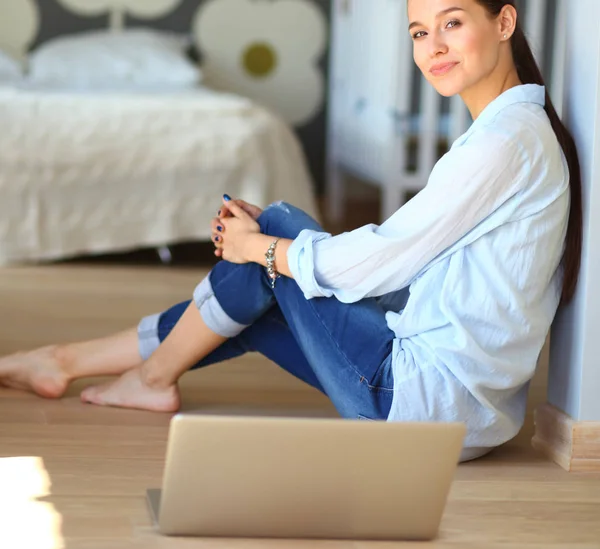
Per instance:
{"type": "Point", "coordinates": [525, 93]}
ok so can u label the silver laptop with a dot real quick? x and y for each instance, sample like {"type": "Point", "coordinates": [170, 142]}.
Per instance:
{"type": "Point", "coordinates": [271, 476]}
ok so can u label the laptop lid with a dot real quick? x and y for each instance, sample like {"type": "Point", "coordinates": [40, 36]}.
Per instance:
{"type": "Point", "coordinates": [305, 477]}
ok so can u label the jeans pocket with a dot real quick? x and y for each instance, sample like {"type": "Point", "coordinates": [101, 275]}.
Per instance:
{"type": "Point", "coordinates": [382, 378]}
{"type": "Point", "coordinates": [365, 418]}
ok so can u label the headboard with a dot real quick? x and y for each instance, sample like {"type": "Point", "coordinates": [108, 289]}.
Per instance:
{"type": "Point", "coordinates": [273, 51]}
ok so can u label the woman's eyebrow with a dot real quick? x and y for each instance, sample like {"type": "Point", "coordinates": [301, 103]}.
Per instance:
{"type": "Point", "coordinates": [443, 12]}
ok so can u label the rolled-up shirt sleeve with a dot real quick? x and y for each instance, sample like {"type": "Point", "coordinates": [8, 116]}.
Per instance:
{"type": "Point", "coordinates": [467, 184]}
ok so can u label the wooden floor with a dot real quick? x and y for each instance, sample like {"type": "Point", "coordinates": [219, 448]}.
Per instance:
{"type": "Point", "coordinates": [74, 476]}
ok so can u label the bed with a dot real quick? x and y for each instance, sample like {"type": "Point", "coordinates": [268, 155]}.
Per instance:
{"type": "Point", "coordinates": [114, 141]}
{"type": "Point", "coordinates": [89, 173]}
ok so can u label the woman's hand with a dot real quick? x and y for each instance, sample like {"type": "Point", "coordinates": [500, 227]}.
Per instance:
{"type": "Point", "coordinates": [250, 209]}
{"type": "Point", "coordinates": [230, 234]}
{"type": "Point", "coordinates": [253, 211]}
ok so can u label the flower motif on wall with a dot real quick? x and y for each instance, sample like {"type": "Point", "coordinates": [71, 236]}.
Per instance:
{"type": "Point", "coordinates": [18, 31]}
{"type": "Point", "coordinates": [144, 9]}
{"type": "Point", "coordinates": [267, 51]}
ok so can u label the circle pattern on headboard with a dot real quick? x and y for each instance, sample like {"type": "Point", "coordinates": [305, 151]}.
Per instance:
{"type": "Point", "coordinates": [18, 31]}
{"type": "Point", "coordinates": [146, 9]}
{"type": "Point", "coordinates": [267, 51]}
{"type": "Point", "coordinates": [259, 60]}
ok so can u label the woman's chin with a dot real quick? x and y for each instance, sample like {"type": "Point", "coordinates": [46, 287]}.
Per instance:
{"type": "Point", "coordinates": [447, 85]}
{"type": "Point", "coordinates": [446, 89]}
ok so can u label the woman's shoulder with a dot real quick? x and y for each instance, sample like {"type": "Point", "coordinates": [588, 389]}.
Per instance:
{"type": "Point", "coordinates": [488, 145]}
{"type": "Point", "coordinates": [521, 131]}
{"type": "Point", "coordinates": [526, 125]}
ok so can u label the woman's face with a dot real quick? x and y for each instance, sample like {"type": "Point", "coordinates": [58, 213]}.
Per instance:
{"type": "Point", "coordinates": [456, 44]}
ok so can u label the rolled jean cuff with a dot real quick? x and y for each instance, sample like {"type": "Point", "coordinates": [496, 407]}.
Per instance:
{"type": "Point", "coordinates": [148, 340]}
{"type": "Point", "coordinates": [213, 314]}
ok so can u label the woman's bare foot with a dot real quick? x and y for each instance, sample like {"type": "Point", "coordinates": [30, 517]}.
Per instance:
{"type": "Point", "coordinates": [43, 371]}
{"type": "Point", "coordinates": [131, 391]}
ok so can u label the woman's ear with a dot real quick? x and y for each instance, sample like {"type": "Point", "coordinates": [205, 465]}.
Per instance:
{"type": "Point", "coordinates": [508, 21]}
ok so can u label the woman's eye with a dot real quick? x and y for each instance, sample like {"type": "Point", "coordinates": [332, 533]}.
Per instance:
{"type": "Point", "coordinates": [418, 34]}
{"type": "Point", "coordinates": [453, 23]}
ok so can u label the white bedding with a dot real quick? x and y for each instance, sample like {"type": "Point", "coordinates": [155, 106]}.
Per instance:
{"type": "Point", "coordinates": [83, 173]}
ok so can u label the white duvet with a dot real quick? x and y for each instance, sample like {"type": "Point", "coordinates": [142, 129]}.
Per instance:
{"type": "Point", "coordinates": [82, 173]}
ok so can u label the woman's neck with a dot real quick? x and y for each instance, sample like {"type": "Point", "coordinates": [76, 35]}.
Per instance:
{"type": "Point", "coordinates": [478, 97]}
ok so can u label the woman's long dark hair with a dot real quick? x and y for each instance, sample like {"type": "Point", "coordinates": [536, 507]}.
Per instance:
{"type": "Point", "coordinates": [529, 73]}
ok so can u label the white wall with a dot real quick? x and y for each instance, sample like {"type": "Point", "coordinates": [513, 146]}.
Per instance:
{"type": "Point", "coordinates": [574, 375]}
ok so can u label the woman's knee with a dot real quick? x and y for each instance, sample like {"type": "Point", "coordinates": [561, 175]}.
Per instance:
{"type": "Point", "coordinates": [286, 221]}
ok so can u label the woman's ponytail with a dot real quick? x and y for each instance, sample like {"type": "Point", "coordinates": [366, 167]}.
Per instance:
{"type": "Point", "coordinates": [529, 73]}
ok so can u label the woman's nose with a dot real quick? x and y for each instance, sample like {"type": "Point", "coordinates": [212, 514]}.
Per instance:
{"type": "Point", "coordinates": [437, 45]}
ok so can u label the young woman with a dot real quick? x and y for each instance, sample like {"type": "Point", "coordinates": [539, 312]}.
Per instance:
{"type": "Point", "coordinates": [438, 314]}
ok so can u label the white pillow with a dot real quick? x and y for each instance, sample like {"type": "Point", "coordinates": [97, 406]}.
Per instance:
{"type": "Point", "coordinates": [11, 71]}
{"type": "Point", "coordinates": [100, 60]}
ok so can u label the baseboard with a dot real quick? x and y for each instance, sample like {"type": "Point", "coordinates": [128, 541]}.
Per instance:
{"type": "Point", "coordinates": [574, 445]}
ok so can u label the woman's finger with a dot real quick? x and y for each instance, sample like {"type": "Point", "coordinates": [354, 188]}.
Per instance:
{"type": "Point", "coordinates": [217, 227]}
{"type": "Point", "coordinates": [235, 209]}
{"type": "Point", "coordinates": [252, 210]}
{"type": "Point", "coordinates": [224, 212]}
{"type": "Point", "coordinates": [217, 240]}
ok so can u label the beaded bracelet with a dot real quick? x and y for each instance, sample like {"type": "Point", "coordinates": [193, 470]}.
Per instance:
{"type": "Point", "coordinates": [271, 270]}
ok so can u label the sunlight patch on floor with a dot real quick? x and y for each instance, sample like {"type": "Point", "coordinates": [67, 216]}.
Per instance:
{"type": "Point", "coordinates": [27, 522]}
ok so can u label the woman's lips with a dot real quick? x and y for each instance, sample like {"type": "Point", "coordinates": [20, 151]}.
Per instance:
{"type": "Point", "coordinates": [442, 68]}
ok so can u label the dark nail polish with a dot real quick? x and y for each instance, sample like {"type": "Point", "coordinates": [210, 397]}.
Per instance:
{"type": "Point", "coordinates": [219, 213]}
{"type": "Point", "coordinates": [227, 197]}
{"type": "Point", "coordinates": [217, 239]}
{"type": "Point", "coordinates": [219, 228]}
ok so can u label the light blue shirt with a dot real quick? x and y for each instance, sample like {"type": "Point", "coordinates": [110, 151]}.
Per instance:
{"type": "Point", "coordinates": [468, 271]}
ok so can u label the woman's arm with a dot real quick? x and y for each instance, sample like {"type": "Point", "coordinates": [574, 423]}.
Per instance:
{"type": "Point", "coordinates": [257, 246]}
{"type": "Point", "coordinates": [465, 187]}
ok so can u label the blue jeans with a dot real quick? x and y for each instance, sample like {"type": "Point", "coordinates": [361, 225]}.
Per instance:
{"type": "Point", "coordinates": [342, 349]}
